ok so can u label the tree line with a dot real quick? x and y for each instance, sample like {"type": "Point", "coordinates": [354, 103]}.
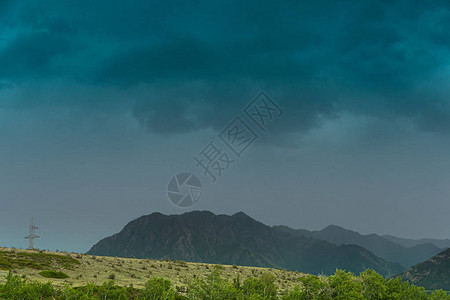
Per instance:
{"type": "Point", "coordinates": [342, 285]}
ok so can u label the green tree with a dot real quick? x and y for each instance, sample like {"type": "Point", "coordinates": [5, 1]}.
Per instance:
{"type": "Point", "coordinates": [260, 288]}
{"type": "Point", "coordinates": [213, 288]}
{"type": "Point", "coordinates": [373, 285]}
{"type": "Point", "coordinates": [345, 286]}
{"type": "Point", "coordinates": [82, 293]}
{"type": "Point", "coordinates": [109, 291]}
{"type": "Point", "coordinates": [412, 292]}
{"type": "Point", "coordinates": [399, 290]}
{"type": "Point", "coordinates": [316, 287]}
{"type": "Point", "coordinates": [439, 295]}
{"type": "Point", "coordinates": [16, 288]}
{"type": "Point", "coordinates": [297, 293]}
{"type": "Point", "coordinates": [158, 289]}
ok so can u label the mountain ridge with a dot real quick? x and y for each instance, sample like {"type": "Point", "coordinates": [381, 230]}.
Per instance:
{"type": "Point", "coordinates": [202, 236]}
{"type": "Point", "coordinates": [433, 273]}
{"type": "Point", "coordinates": [381, 247]}
{"type": "Point", "coordinates": [440, 243]}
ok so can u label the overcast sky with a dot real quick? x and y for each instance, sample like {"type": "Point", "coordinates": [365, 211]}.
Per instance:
{"type": "Point", "coordinates": [102, 102]}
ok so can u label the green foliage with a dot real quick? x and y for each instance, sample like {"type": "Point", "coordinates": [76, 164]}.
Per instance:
{"type": "Point", "coordinates": [37, 261]}
{"type": "Point", "coordinates": [439, 295]}
{"type": "Point", "coordinates": [82, 293]}
{"type": "Point", "coordinates": [158, 289]}
{"type": "Point", "coordinates": [373, 285]}
{"type": "Point", "coordinates": [112, 292]}
{"type": "Point", "coordinates": [345, 286]}
{"type": "Point", "coordinates": [260, 288]}
{"type": "Point", "coordinates": [296, 294]}
{"type": "Point", "coordinates": [16, 288]}
{"type": "Point", "coordinates": [53, 274]}
{"type": "Point", "coordinates": [214, 288]}
{"type": "Point", "coordinates": [312, 287]}
{"type": "Point", "coordinates": [368, 286]}
{"type": "Point", "coordinates": [399, 290]}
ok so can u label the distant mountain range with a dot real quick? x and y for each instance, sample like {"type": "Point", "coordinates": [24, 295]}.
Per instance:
{"type": "Point", "coordinates": [379, 245]}
{"type": "Point", "coordinates": [238, 239]}
{"type": "Point", "coordinates": [443, 244]}
{"type": "Point", "coordinates": [431, 274]}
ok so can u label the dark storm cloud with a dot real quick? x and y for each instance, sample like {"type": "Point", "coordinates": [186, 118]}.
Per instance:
{"type": "Point", "coordinates": [318, 59]}
{"type": "Point", "coordinates": [5, 5]}
{"type": "Point", "coordinates": [31, 43]}
{"type": "Point", "coordinates": [31, 55]}
{"type": "Point", "coordinates": [174, 60]}
{"type": "Point", "coordinates": [361, 83]}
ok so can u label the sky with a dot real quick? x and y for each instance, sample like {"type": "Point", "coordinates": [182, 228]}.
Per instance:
{"type": "Point", "coordinates": [103, 102]}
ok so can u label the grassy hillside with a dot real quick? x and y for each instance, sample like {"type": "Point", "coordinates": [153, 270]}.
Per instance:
{"type": "Point", "coordinates": [83, 269]}
{"type": "Point", "coordinates": [66, 276]}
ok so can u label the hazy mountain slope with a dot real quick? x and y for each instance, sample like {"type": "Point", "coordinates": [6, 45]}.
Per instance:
{"type": "Point", "coordinates": [443, 244]}
{"type": "Point", "coordinates": [384, 248]}
{"type": "Point", "coordinates": [431, 274]}
{"type": "Point", "coordinates": [237, 239]}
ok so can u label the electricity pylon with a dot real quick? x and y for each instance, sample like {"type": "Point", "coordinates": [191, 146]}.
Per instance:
{"type": "Point", "coordinates": [31, 236]}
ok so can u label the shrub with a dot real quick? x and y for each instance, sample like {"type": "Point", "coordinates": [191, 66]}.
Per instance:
{"type": "Point", "coordinates": [297, 294]}
{"type": "Point", "coordinates": [397, 289]}
{"type": "Point", "coordinates": [112, 292]}
{"type": "Point", "coordinates": [345, 286]}
{"type": "Point", "coordinates": [158, 288]}
{"type": "Point", "coordinates": [439, 295]}
{"type": "Point", "coordinates": [214, 287]}
{"type": "Point", "coordinates": [53, 274]}
{"type": "Point", "coordinates": [263, 286]}
{"type": "Point", "coordinates": [313, 287]}
{"type": "Point", "coordinates": [16, 288]}
{"type": "Point", "coordinates": [83, 293]}
{"type": "Point", "coordinates": [369, 285]}
{"type": "Point", "coordinates": [373, 285]}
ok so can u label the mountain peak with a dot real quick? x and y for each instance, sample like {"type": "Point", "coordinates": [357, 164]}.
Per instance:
{"type": "Point", "coordinates": [201, 236]}
{"type": "Point", "coordinates": [199, 213]}
{"type": "Point", "coordinates": [335, 227]}
{"type": "Point", "coordinates": [241, 214]}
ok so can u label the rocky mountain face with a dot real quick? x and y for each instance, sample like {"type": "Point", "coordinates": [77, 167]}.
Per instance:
{"type": "Point", "coordinates": [431, 274]}
{"type": "Point", "coordinates": [237, 239]}
{"type": "Point", "coordinates": [378, 245]}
